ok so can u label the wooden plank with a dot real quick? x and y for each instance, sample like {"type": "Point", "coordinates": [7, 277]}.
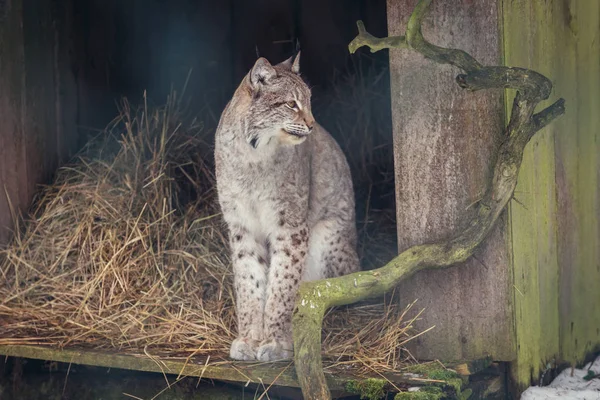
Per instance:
{"type": "Point", "coordinates": [533, 213]}
{"type": "Point", "coordinates": [578, 183]}
{"type": "Point", "coordinates": [37, 101]}
{"type": "Point", "coordinates": [279, 374]}
{"type": "Point", "coordinates": [556, 235]}
{"type": "Point", "coordinates": [242, 372]}
{"type": "Point", "coordinates": [13, 168]}
{"type": "Point", "coordinates": [444, 139]}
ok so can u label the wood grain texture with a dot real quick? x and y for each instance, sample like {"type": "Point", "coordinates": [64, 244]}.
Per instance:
{"type": "Point", "coordinates": [444, 139]}
{"type": "Point", "coordinates": [37, 101]}
{"type": "Point", "coordinates": [533, 215]}
{"type": "Point", "coordinates": [556, 230]}
{"type": "Point", "coordinates": [13, 169]}
{"type": "Point", "coordinates": [277, 373]}
{"type": "Point", "coordinates": [578, 187]}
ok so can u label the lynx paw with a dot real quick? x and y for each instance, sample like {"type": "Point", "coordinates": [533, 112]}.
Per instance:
{"type": "Point", "coordinates": [274, 350]}
{"type": "Point", "coordinates": [243, 349]}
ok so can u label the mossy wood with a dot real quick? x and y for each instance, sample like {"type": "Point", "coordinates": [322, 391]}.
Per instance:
{"type": "Point", "coordinates": [280, 374]}
{"type": "Point", "coordinates": [555, 224]}
{"type": "Point", "coordinates": [316, 297]}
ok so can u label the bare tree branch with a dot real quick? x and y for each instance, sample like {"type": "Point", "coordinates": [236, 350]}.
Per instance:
{"type": "Point", "coordinates": [416, 41]}
{"type": "Point", "coordinates": [316, 297]}
{"type": "Point", "coordinates": [364, 38]}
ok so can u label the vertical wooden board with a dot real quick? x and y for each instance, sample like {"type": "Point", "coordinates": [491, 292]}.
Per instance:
{"type": "Point", "coordinates": [533, 212]}
{"type": "Point", "coordinates": [444, 139]}
{"type": "Point", "coordinates": [13, 171]}
{"type": "Point", "coordinates": [37, 117]}
{"type": "Point", "coordinates": [562, 41]}
{"type": "Point", "coordinates": [578, 185]}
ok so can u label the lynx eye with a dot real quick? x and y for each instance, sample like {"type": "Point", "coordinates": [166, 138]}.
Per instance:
{"type": "Point", "coordinates": [292, 104]}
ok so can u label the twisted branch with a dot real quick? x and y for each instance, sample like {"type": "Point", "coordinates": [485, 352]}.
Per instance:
{"type": "Point", "coordinates": [316, 297]}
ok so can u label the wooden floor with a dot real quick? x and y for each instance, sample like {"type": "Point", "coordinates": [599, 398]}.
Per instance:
{"type": "Point", "coordinates": [278, 374]}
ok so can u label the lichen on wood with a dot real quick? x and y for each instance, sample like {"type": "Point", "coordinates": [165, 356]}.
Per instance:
{"type": "Point", "coordinates": [268, 374]}
{"type": "Point", "coordinates": [425, 393]}
{"type": "Point", "coordinates": [314, 298]}
{"type": "Point", "coordinates": [441, 383]}
{"type": "Point", "coordinates": [368, 389]}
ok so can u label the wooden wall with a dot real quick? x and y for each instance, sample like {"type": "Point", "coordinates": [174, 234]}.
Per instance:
{"type": "Point", "coordinates": [556, 224]}
{"type": "Point", "coordinates": [530, 295]}
{"type": "Point", "coordinates": [37, 99]}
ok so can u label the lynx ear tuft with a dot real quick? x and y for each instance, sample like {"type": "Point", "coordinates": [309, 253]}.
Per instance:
{"type": "Point", "coordinates": [261, 73]}
{"type": "Point", "coordinates": [287, 64]}
{"type": "Point", "coordinates": [296, 65]}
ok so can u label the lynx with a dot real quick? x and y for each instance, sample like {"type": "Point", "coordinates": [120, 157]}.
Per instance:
{"type": "Point", "coordinates": [286, 195]}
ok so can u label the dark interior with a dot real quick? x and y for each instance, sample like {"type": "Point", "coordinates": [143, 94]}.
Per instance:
{"type": "Point", "coordinates": [126, 48]}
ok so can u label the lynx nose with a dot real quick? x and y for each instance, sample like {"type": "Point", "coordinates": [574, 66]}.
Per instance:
{"type": "Point", "coordinates": [310, 122]}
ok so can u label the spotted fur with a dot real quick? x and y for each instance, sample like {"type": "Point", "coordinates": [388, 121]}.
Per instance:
{"type": "Point", "coordinates": [285, 190]}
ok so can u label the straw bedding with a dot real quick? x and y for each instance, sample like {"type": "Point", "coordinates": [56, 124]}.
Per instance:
{"type": "Point", "coordinates": [126, 251]}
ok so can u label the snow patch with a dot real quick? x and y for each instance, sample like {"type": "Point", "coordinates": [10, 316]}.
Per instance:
{"type": "Point", "coordinates": [568, 387]}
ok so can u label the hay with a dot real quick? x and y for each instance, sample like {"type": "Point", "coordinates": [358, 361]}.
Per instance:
{"type": "Point", "coordinates": [109, 260]}
{"type": "Point", "coordinates": [126, 251]}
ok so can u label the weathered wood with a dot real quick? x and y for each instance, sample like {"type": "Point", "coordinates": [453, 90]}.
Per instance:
{"type": "Point", "coordinates": [229, 371]}
{"type": "Point", "coordinates": [13, 172]}
{"type": "Point", "coordinates": [578, 184]}
{"type": "Point", "coordinates": [279, 374]}
{"type": "Point", "coordinates": [37, 101]}
{"type": "Point", "coordinates": [555, 224]}
{"type": "Point", "coordinates": [444, 142]}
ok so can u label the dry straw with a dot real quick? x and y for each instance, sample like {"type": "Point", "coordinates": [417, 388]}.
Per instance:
{"type": "Point", "coordinates": [126, 251]}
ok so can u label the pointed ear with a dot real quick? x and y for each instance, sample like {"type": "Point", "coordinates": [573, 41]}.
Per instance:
{"type": "Point", "coordinates": [296, 65]}
{"type": "Point", "coordinates": [287, 64]}
{"type": "Point", "coordinates": [261, 73]}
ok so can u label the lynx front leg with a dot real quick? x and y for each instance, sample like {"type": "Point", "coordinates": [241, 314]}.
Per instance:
{"type": "Point", "coordinates": [288, 254]}
{"type": "Point", "coordinates": [250, 282]}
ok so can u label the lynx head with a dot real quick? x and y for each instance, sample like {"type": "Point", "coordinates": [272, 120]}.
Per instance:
{"type": "Point", "coordinates": [280, 106]}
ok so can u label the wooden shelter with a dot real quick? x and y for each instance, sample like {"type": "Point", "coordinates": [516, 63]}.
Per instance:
{"type": "Point", "coordinates": [529, 298]}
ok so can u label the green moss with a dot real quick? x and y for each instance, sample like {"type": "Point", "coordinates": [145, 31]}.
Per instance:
{"type": "Point", "coordinates": [437, 372]}
{"type": "Point", "coordinates": [368, 389]}
{"type": "Point", "coordinates": [432, 371]}
{"type": "Point", "coordinates": [424, 393]}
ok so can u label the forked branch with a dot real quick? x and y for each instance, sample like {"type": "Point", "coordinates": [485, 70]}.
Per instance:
{"type": "Point", "coordinates": [316, 297]}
